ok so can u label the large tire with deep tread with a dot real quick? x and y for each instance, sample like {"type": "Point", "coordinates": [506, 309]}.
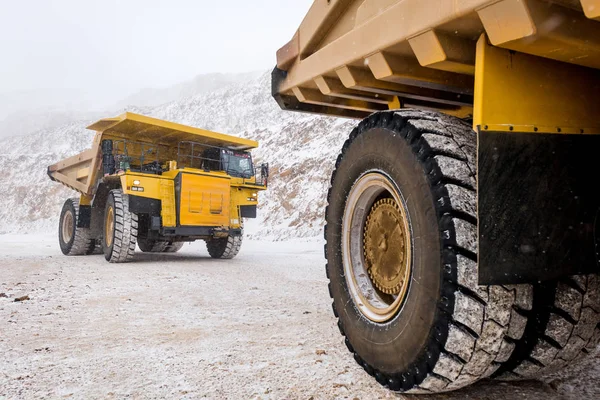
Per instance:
{"type": "Point", "coordinates": [562, 328]}
{"type": "Point", "coordinates": [157, 246]}
{"type": "Point", "coordinates": [450, 332]}
{"type": "Point", "coordinates": [173, 247]}
{"type": "Point", "coordinates": [80, 241]}
{"type": "Point", "coordinates": [98, 247]}
{"type": "Point", "coordinates": [120, 246]}
{"type": "Point", "coordinates": [226, 248]}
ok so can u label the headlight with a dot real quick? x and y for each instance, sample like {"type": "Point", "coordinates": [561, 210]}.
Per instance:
{"type": "Point", "coordinates": [136, 182]}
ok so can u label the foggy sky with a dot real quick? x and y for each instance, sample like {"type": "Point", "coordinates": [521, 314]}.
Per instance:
{"type": "Point", "coordinates": [107, 49]}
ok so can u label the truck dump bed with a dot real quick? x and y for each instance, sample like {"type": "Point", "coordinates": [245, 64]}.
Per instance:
{"type": "Point", "coordinates": [79, 172]}
{"type": "Point", "coordinates": [353, 57]}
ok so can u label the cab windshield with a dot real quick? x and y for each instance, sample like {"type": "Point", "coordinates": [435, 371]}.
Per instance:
{"type": "Point", "coordinates": [238, 164]}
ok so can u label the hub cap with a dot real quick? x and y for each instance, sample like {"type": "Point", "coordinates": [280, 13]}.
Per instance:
{"type": "Point", "coordinates": [376, 247]}
{"type": "Point", "coordinates": [109, 226]}
{"type": "Point", "coordinates": [385, 252]}
{"type": "Point", "coordinates": [67, 227]}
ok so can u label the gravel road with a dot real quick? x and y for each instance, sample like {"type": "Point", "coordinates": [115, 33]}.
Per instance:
{"type": "Point", "coordinates": [187, 326]}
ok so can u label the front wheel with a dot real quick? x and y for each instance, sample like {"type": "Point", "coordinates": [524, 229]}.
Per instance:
{"type": "Point", "coordinates": [227, 247]}
{"type": "Point", "coordinates": [120, 228]}
{"type": "Point", "coordinates": [401, 243]}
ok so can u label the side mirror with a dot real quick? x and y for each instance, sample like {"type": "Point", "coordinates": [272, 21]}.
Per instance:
{"type": "Point", "coordinates": [264, 173]}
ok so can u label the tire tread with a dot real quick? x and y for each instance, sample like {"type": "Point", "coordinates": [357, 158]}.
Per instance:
{"type": "Point", "coordinates": [474, 345]}
{"type": "Point", "coordinates": [126, 229]}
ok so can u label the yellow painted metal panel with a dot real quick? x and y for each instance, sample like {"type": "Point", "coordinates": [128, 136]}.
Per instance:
{"type": "Point", "coordinates": [399, 22]}
{"type": "Point", "coordinates": [591, 8]}
{"type": "Point", "coordinates": [444, 52]}
{"type": "Point", "coordinates": [79, 172]}
{"type": "Point", "coordinates": [153, 187]}
{"type": "Point", "coordinates": [168, 210]}
{"type": "Point", "coordinates": [204, 200]}
{"type": "Point", "coordinates": [320, 17]}
{"type": "Point", "coordinates": [85, 200]}
{"type": "Point", "coordinates": [507, 20]}
{"type": "Point", "coordinates": [148, 186]}
{"type": "Point", "coordinates": [70, 182]}
{"type": "Point", "coordinates": [242, 196]}
{"type": "Point", "coordinates": [523, 92]}
{"type": "Point", "coordinates": [544, 29]}
{"type": "Point", "coordinates": [388, 36]}
{"type": "Point", "coordinates": [139, 127]}
{"type": "Point", "coordinates": [83, 173]}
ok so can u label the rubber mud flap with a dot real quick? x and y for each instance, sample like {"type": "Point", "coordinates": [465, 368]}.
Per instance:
{"type": "Point", "coordinates": [538, 206]}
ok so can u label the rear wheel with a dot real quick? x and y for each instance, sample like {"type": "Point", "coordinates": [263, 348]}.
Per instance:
{"type": "Point", "coordinates": [73, 240]}
{"type": "Point", "coordinates": [173, 247]}
{"type": "Point", "coordinates": [401, 242]}
{"type": "Point", "coordinates": [227, 247]}
{"type": "Point", "coordinates": [98, 247]}
{"type": "Point", "coordinates": [562, 328]}
{"type": "Point", "coordinates": [120, 228]}
{"type": "Point", "coordinates": [157, 246]}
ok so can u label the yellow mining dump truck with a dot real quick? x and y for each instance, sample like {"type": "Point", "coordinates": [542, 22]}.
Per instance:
{"type": "Point", "coordinates": [462, 224]}
{"type": "Point", "coordinates": [157, 184]}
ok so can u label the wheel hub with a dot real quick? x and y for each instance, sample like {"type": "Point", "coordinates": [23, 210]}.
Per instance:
{"type": "Point", "coordinates": [109, 226]}
{"type": "Point", "coordinates": [376, 246]}
{"type": "Point", "coordinates": [384, 246]}
{"type": "Point", "coordinates": [67, 227]}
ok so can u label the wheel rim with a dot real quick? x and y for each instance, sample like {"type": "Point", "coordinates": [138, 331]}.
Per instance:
{"type": "Point", "coordinates": [109, 226]}
{"type": "Point", "coordinates": [67, 226]}
{"type": "Point", "coordinates": [376, 246]}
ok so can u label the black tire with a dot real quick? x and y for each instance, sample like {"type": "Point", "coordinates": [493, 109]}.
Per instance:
{"type": "Point", "coordinates": [226, 248]}
{"type": "Point", "coordinates": [119, 242]}
{"type": "Point", "coordinates": [156, 246]}
{"type": "Point", "coordinates": [98, 247]}
{"type": "Point", "coordinates": [562, 329]}
{"type": "Point", "coordinates": [449, 331]}
{"type": "Point", "coordinates": [73, 241]}
{"type": "Point", "coordinates": [173, 247]}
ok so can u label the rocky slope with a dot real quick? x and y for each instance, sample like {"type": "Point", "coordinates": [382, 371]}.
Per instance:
{"type": "Point", "coordinates": [204, 83]}
{"type": "Point", "coordinates": [300, 148]}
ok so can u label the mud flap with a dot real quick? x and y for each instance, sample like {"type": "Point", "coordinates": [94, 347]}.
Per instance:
{"type": "Point", "coordinates": [538, 206]}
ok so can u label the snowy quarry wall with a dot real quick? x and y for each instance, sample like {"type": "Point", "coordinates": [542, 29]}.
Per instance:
{"type": "Point", "coordinates": [300, 148]}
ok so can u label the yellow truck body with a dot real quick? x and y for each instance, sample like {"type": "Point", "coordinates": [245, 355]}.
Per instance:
{"type": "Point", "coordinates": [354, 57]}
{"type": "Point", "coordinates": [462, 220]}
{"type": "Point", "coordinates": [183, 183]}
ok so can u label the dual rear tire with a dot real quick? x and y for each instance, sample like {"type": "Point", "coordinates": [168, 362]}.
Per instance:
{"type": "Point", "coordinates": [120, 234]}
{"type": "Point", "coordinates": [74, 240]}
{"type": "Point", "coordinates": [120, 228]}
{"type": "Point", "coordinates": [158, 246]}
{"type": "Point", "coordinates": [226, 248]}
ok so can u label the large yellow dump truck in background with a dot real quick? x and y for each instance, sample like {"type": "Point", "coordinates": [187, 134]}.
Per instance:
{"type": "Point", "coordinates": [157, 184]}
{"type": "Point", "coordinates": [462, 217]}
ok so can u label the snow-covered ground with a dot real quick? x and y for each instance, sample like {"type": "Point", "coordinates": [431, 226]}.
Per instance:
{"type": "Point", "coordinates": [187, 326]}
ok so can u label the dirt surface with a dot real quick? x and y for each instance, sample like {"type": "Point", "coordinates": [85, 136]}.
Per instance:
{"type": "Point", "coordinates": [186, 326]}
